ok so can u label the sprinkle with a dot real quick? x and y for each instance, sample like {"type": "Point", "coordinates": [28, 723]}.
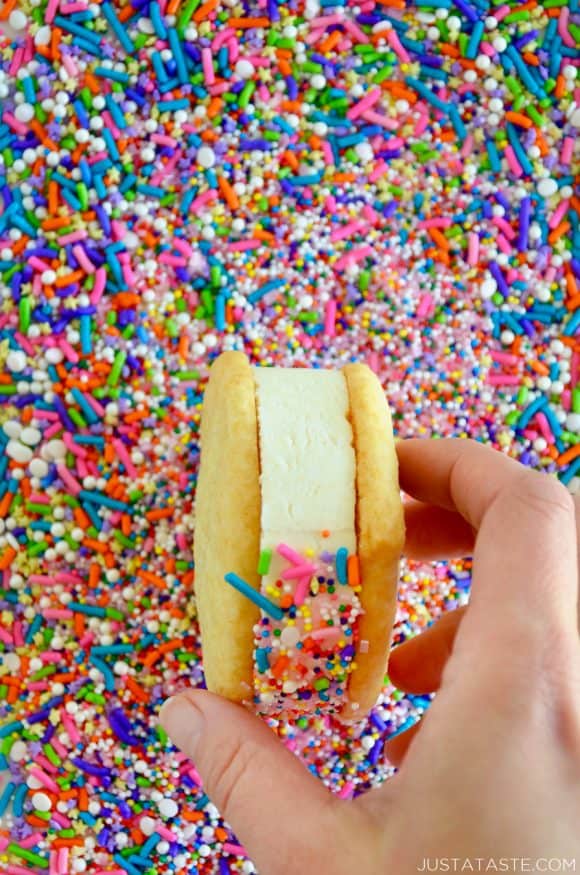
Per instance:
{"type": "Point", "coordinates": [261, 601]}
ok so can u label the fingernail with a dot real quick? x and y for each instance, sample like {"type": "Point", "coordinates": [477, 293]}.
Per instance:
{"type": "Point", "coordinates": [182, 720]}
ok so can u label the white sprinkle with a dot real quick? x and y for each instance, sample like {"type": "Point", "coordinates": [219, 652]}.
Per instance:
{"type": "Point", "coordinates": [168, 808]}
{"type": "Point", "coordinates": [18, 452]}
{"type": "Point", "coordinates": [205, 157]}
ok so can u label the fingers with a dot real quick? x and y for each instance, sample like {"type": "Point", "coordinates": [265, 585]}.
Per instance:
{"type": "Point", "coordinates": [276, 807]}
{"type": "Point", "coordinates": [525, 575]}
{"type": "Point", "coordinates": [396, 748]}
{"type": "Point", "coordinates": [417, 665]}
{"type": "Point", "coordinates": [436, 533]}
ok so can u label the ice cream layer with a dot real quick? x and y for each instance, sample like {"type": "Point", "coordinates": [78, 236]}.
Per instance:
{"type": "Point", "coordinates": [306, 456]}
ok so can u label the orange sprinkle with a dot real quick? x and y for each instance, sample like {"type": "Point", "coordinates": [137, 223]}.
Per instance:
{"type": "Point", "coordinates": [558, 232]}
{"type": "Point", "coordinates": [159, 514]}
{"type": "Point", "coordinates": [7, 558]}
{"type": "Point", "coordinates": [280, 666]}
{"type": "Point", "coordinates": [539, 368]}
{"type": "Point", "coordinates": [247, 23]}
{"type": "Point", "coordinates": [228, 193]}
{"type": "Point", "coordinates": [7, 9]}
{"type": "Point", "coordinates": [519, 119]}
{"type": "Point", "coordinates": [137, 691]}
{"type": "Point", "coordinates": [203, 12]}
{"type": "Point", "coordinates": [353, 570]}
{"type": "Point", "coordinates": [568, 456]}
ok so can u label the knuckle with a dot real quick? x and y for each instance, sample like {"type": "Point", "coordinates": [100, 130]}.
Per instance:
{"type": "Point", "coordinates": [227, 776]}
{"type": "Point", "coordinates": [544, 495]}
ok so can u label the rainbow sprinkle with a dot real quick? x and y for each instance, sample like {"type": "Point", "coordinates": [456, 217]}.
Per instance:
{"type": "Point", "coordinates": [312, 182]}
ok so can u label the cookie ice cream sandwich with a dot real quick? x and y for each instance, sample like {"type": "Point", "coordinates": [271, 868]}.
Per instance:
{"type": "Point", "coordinates": [298, 533]}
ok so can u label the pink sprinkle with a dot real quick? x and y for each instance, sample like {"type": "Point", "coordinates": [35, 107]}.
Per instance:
{"type": "Point", "coordinates": [379, 170]}
{"type": "Point", "coordinates": [383, 121]}
{"type": "Point", "coordinates": [504, 245]}
{"type": "Point", "coordinates": [203, 199]}
{"type": "Point", "coordinates": [69, 481]}
{"type": "Point", "coordinates": [505, 358]}
{"type": "Point", "coordinates": [504, 226]}
{"type": "Point", "coordinates": [425, 306]}
{"type": "Point", "coordinates": [301, 590]}
{"type": "Point", "coordinates": [574, 364]}
{"type": "Point", "coordinates": [395, 43]}
{"type": "Point", "coordinates": [467, 147]}
{"type": "Point", "coordinates": [37, 263]}
{"type": "Point", "coordinates": [297, 571]}
{"type": "Point", "coordinates": [41, 579]}
{"type": "Point", "coordinates": [322, 634]}
{"type": "Point", "coordinates": [347, 231]}
{"type": "Point", "coordinates": [24, 343]}
{"type": "Point", "coordinates": [563, 31]}
{"type": "Point", "coordinates": [5, 636]}
{"type": "Point", "coordinates": [558, 214]}
{"type": "Point", "coordinates": [165, 833]}
{"type": "Point", "coordinates": [39, 499]}
{"type": "Point", "coordinates": [354, 30]}
{"type": "Point", "coordinates": [443, 222]}
{"type": "Point", "coordinates": [351, 257]}
{"type": "Point", "coordinates": [567, 150]}
{"type": "Point", "coordinates": [70, 728]}
{"type": "Point", "coordinates": [174, 260]}
{"type": "Point", "coordinates": [44, 779]}
{"type": "Point", "coordinates": [17, 632]}
{"type": "Point", "coordinates": [67, 60]}
{"type": "Point", "coordinates": [66, 577]}
{"type": "Point", "coordinates": [57, 614]}
{"type": "Point", "coordinates": [326, 21]}
{"type": "Point", "coordinates": [503, 379]}
{"type": "Point", "coordinates": [513, 163]}
{"type": "Point", "coordinates": [222, 38]}
{"type": "Point", "coordinates": [244, 245]}
{"type": "Point", "coordinates": [230, 848]}
{"type": "Point", "coordinates": [31, 840]}
{"type": "Point", "coordinates": [68, 351]}
{"type": "Point", "coordinates": [83, 259]}
{"type": "Point", "coordinates": [544, 427]}
{"type": "Point", "coordinates": [62, 862]}
{"type": "Point", "coordinates": [330, 318]}
{"type": "Point", "coordinates": [566, 399]}
{"type": "Point", "coordinates": [62, 821]}
{"type": "Point", "coordinates": [289, 554]}
{"type": "Point", "coordinates": [75, 449]}
{"type": "Point", "coordinates": [182, 245]}
{"type": "Point", "coordinates": [99, 286]}
{"type": "Point", "coordinates": [125, 458]}
{"type": "Point", "coordinates": [346, 790]}
{"type": "Point", "coordinates": [51, 8]}
{"type": "Point", "coordinates": [473, 249]}
{"type": "Point", "coordinates": [207, 66]}
{"type": "Point", "coordinates": [422, 123]}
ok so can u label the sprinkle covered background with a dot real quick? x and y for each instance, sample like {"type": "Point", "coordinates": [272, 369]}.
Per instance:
{"type": "Point", "coordinates": [312, 182]}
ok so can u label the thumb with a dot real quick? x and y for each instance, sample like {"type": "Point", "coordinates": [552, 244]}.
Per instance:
{"type": "Point", "coordinates": [277, 808]}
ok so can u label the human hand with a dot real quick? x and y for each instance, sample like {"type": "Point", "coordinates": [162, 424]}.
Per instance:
{"type": "Point", "coordinates": [493, 768]}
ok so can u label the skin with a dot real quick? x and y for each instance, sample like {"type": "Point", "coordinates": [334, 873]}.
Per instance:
{"type": "Point", "coordinates": [493, 769]}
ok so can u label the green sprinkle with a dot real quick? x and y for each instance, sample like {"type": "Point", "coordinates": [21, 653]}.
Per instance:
{"type": "Point", "coordinates": [264, 562]}
{"type": "Point", "coordinates": [27, 855]}
{"type": "Point", "coordinates": [115, 373]}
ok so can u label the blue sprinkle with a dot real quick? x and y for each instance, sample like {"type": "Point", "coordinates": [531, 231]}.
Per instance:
{"type": "Point", "coordinates": [256, 597]}
{"type": "Point", "coordinates": [341, 566]}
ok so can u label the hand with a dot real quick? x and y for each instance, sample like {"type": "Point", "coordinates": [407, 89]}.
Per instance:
{"type": "Point", "coordinates": [493, 769]}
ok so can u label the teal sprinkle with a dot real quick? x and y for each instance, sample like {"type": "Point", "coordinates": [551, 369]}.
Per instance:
{"type": "Point", "coordinates": [254, 596]}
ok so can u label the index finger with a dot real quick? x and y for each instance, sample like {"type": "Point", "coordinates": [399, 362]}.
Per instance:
{"type": "Point", "coordinates": [525, 571]}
